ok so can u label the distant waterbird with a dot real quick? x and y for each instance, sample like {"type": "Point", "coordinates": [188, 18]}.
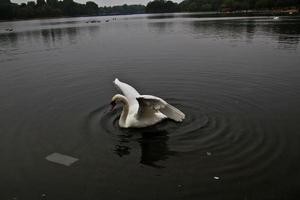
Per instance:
{"type": "Point", "coordinates": [93, 21]}
{"type": "Point", "coordinates": [142, 110]}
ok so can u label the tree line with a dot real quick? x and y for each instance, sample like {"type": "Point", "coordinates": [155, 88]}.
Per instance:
{"type": "Point", "coordinates": [158, 6]}
{"type": "Point", "coordinates": [56, 8]}
{"type": "Point", "coordinates": [122, 10]}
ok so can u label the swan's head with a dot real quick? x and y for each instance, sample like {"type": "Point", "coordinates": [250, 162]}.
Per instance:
{"type": "Point", "coordinates": [118, 98]}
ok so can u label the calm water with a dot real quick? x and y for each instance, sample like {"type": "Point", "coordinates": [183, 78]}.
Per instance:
{"type": "Point", "coordinates": [237, 80]}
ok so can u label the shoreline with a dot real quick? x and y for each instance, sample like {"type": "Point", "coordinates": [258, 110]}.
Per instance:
{"type": "Point", "coordinates": [61, 17]}
{"type": "Point", "coordinates": [238, 13]}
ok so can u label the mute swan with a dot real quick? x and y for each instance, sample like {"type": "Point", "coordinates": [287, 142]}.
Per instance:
{"type": "Point", "coordinates": [142, 110]}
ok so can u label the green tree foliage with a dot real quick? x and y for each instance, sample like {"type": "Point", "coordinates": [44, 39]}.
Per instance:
{"type": "Point", "coordinates": [6, 9]}
{"type": "Point", "coordinates": [217, 5]}
{"type": "Point", "coordinates": [40, 3]}
{"type": "Point", "coordinates": [264, 4]}
{"type": "Point", "coordinates": [31, 4]}
{"type": "Point", "coordinates": [55, 8]}
{"type": "Point", "coordinates": [91, 8]}
{"type": "Point", "coordinates": [162, 6]}
{"type": "Point", "coordinates": [53, 3]}
{"type": "Point", "coordinates": [122, 10]}
{"type": "Point", "coordinates": [200, 5]}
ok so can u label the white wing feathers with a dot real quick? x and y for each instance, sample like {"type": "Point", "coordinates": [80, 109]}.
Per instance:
{"type": "Point", "coordinates": [127, 90]}
{"type": "Point", "coordinates": [153, 104]}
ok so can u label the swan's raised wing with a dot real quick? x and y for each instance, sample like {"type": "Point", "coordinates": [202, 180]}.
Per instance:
{"type": "Point", "coordinates": [152, 104]}
{"type": "Point", "coordinates": [127, 90]}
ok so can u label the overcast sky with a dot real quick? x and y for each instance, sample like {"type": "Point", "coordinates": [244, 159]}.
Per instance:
{"type": "Point", "coordinates": [104, 2]}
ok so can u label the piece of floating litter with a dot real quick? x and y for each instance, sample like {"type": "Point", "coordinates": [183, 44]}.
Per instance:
{"type": "Point", "coordinates": [216, 177]}
{"type": "Point", "coordinates": [208, 153]}
{"type": "Point", "coordinates": [61, 159]}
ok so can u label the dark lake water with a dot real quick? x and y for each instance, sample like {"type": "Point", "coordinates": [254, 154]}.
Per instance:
{"type": "Point", "coordinates": [236, 79]}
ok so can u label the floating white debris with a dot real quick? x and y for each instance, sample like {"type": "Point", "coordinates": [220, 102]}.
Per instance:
{"type": "Point", "coordinates": [61, 159]}
{"type": "Point", "coordinates": [208, 153]}
{"type": "Point", "coordinates": [216, 177]}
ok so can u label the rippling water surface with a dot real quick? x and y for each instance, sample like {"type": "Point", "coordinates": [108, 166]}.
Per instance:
{"type": "Point", "coordinates": [236, 79]}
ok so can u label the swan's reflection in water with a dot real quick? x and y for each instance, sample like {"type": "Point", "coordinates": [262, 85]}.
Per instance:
{"type": "Point", "coordinates": [150, 144]}
{"type": "Point", "coordinates": [153, 143]}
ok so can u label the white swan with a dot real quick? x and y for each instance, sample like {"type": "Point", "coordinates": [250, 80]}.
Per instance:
{"type": "Point", "coordinates": [142, 110]}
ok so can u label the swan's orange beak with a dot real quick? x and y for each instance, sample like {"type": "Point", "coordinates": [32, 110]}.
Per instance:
{"type": "Point", "coordinates": [113, 105]}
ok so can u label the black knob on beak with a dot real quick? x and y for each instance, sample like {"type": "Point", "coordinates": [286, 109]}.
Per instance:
{"type": "Point", "coordinates": [113, 105]}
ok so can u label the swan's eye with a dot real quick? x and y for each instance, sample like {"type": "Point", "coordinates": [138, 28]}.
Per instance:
{"type": "Point", "coordinates": [113, 104]}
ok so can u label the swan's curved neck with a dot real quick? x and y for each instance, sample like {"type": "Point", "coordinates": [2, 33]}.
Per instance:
{"type": "Point", "coordinates": [125, 110]}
